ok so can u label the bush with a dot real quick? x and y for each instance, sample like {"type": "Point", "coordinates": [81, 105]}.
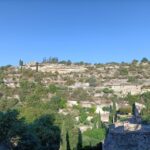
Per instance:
{"type": "Point", "coordinates": [144, 60]}
{"type": "Point", "coordinates": [83, 115]}
{"type": "Point", "coordinates": [97, 134]}
{"type": "Point", "coordinates": [106, 109]}
{"type": "Point", "coordinates": [80, 94]}
{"type": "Point", "coordinates": [132, 79]}
{"type": "Point", "coordinates": [125, 110]}
{"type": "Point", "coordinates": [92, 81]}
{"type": "Point", "coordinates": [70, 81]}
{"type": "Point", "coordinates": [57, 103]}
{"type": "Point", "coordinates": [92, 110]}
{"type": "Point", "coordinates": [6, 104]}
{"type": "Point", "coordinates": [132, 98]}
{"type": "Point", "coordinates": [52, 88]}
{"type": "Point", "coordinates": [123, 71]}
{"type": "Point", "coordinates": [107, 91]}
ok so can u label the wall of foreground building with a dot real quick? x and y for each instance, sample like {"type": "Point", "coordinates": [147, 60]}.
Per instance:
{"type": "Point", "coordinates": [127, 141]}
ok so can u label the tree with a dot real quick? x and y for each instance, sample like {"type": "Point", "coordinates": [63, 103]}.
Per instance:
{"type": "Point", "coordinates": [111, 115]}
{"type": "Point", "coordinates": [92, 81]}
{"type": "Point", "coordinates": [14, 133]}
{"type": "Point", "coordinates": [134, 62]}
{"type": "Point", "coordinates": [47, 133]}
{"type": "Point", "coordinates": [70, 126]}
{"type": "Point", "coordinates": [114, 111]}
{"type": "Point", "coordinates": [67, 141]}
{"type": "Point", "coordinates": [144, 60]}
{"type": "Point", "coordinates": [21, 64]}
{"type": "Point", "coordinates": [37, 66]}
{"type": "Point", "coordinates": [79, 144]}
{"type": "Point", "coordinates": [27, 142]}
{"type": "Point", "coordinates": [99, 121]}
{"type": "Point", "coordinates": [132, 98]}
{"type": "Point", "coordinates": [83, 115]}
{"type": "Point", "coordinates": [57, 103]}
{"type": "Point", "coordinates": [69, 62]}
{"type": "Point", "coordinates": [133, 109]}
{"type": "Point", "coordinates": [52, 88]}
{"type": "Point", "coordinates": [53, 60]}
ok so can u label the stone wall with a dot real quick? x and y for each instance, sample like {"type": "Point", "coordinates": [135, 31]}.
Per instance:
{"type": "Point", "coordinates": [136, 140]}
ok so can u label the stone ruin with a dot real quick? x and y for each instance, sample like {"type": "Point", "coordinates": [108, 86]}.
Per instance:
{"type": "Point", "coordinates": [122, 138]}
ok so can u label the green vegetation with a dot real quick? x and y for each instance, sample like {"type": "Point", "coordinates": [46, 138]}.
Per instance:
{"type": "Point", "coordinates": [33, 119]}
{"type": "Point", "coordinates": [92, 81]}
{"type": "Point", "coordinates": [93, 136]}
{"type": "Point", "coordinates": [41, 134]}
{"type": "Point", "coordinates": [123, 71]}
{"type": "Point", "coordinates": [37, 66]}
{"type": "Point", "coordinates": [21, 64]}
{"type": "Point", "coordinates": [125, 110]}
{"type": "Point", "coordinates": [132, 98]}
{"type": "Point", "coordinates": [108, 109]}
{"type": "Point", "coordinates": [37, 106]}
{"type": "Point", "coordinates": [80, 94]}
{"type": "Point", "coordinates": [144, 60]}
{"type": "Point", "coordinates": [132, 79]}
{"type": "Point", "coordinates": [107, 90]}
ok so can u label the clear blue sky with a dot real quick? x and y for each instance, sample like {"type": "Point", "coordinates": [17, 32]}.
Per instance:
{"type": "Point", "coordinates": [88, 30]}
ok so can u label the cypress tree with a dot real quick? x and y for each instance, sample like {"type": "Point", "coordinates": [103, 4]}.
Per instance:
{"type": "Point", "coordinates": [99, 121]}
{"type": "Point", "coordinates": [21, 64]}
{"type": "Point", "coordinates": [67, 141]}
{"type": "Point", "coordinates": [37, 66]}
{"type": "Point", "coordinates": [79, 145]}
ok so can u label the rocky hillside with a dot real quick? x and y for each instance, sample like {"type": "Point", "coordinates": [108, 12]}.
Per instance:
{"type": "Point", "coordinates": [120, 79]}
{"type": "Point", "coordinates": [83, 97]}
{"type": "Point", "coordinates": [87, 84]}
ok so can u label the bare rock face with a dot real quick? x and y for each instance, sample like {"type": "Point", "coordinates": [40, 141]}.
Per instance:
{"type": "Point", "coordinates": [138, 140]}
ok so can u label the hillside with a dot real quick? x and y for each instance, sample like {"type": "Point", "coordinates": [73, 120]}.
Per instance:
{"type": "Point", "coordinates": [83, 97]}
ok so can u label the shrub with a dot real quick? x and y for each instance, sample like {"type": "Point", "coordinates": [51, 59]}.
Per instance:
{"type": "Point", "coordinates": [125, 110]}
{"type": "Point", "coordinates": [106, 109]}
{"type": "Point", "coordinates": [92, 81]}
{"type": "Point", "coordinates": [98, 133]}
{"type": "Point", "coordinates": [123, 71]}
{"type": "Point", "coordinates": [132, 79]}
{"type": "Point", "coordinates": [107, 91]}
{"type": "Point", "coordinates": [52, 88]}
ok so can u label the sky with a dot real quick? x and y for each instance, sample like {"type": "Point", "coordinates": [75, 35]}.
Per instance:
{"type": "Point", "coordinates": [80, 30]}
